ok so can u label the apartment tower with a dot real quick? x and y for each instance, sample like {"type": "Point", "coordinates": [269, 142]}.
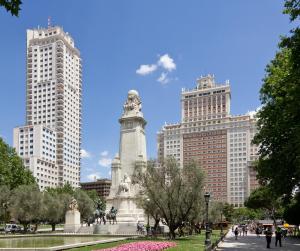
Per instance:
{"type": "Point", "coordinates": [219, 142]}
{"type": "Point", "coordinates": [53, 105]}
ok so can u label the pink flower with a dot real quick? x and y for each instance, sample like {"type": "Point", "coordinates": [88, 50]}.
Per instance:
{"type": "Point", "coordinates": [143, 246]}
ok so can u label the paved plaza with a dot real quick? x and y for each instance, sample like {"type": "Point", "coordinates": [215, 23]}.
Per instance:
{"type": "Point", "coordinates": [252, 242]}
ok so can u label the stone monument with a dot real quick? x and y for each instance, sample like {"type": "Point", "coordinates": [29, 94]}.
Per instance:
{"type": "Point", "coordinates": [132, 152]}
{"type": "Point", "coordinates": [72, 219]}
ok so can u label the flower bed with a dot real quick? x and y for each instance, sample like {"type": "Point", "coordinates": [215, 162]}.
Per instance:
{"type": "Point", "coordinates": [142, 246]}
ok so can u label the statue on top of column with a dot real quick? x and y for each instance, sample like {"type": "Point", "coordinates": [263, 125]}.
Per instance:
{"type": "Point", "coordinates": [133, 103]}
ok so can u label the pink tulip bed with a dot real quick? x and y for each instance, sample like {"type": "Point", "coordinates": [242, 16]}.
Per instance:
{"type": "Point", "coordinates": [142, 246]}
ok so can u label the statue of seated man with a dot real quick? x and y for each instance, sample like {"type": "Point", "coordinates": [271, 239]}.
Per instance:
{"type": "Point", "coordinates": [125, 184]}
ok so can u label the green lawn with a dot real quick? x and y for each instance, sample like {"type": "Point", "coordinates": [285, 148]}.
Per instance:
{"type": "Point", "coordinates": [188, 243]}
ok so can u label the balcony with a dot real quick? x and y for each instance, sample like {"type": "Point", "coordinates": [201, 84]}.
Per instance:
{"type": "Point", "coordinates": [60, 95]}
{"type": "Point", "coordinates": [60, 114]}
{"type": "Point", "coordinates": [60, 136]}
{"type": "Point", "coordinates": [59, 54]}
{"type": "Point", "coordinates": [59, 49]}
{"type": "Point", "coordinates": [59, 75]}
{"type": "Point", "coordinates": [60, 86]}
{"type": "Point", "coordinates": [60, 129]}
{"type": "Point", "coordinates": [60, 80]}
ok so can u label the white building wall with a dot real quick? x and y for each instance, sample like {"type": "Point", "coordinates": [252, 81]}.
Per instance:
{"type": "Point", "coordinates": [53, 98]}
{"type": "Point", "coordinates": [36, 145]}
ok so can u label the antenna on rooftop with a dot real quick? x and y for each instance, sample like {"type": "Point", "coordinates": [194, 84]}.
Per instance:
{"type": "Point", "coordinates": [49, 22]}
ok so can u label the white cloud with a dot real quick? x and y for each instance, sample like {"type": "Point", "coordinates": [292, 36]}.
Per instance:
{"type": "Point", "coordinates": [252, 114]}
{"type": "Point", "coordinates": [93, 176]}
{"type": "Point", "coordinates": [106, 162]}
{"type": "Point", "coordinates": [104, 153]}
{"type": "Point", "coordinates": [85, 154]}
{"type": "Point", "coordinates": [167, 62]}
{"type": "Point", "coordinates": [163, 78]}
{"type": "Point", "coordinates": [146, 69]}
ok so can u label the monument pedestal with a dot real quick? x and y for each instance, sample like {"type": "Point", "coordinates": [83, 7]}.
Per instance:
{"type": "Point", "coordinates": [128, 212]}
{"type": "Point", "coordinates": [132, 154]}
{"type": "Point", "coordinates": [72, 221]}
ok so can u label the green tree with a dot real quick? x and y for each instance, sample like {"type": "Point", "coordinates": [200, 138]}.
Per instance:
{"type": "Point", "coordinates": [228, 211]}
{"type": "Point", "coordinates": [55, 206]}
{"type": "Point", "coordinates": [292, 7]}
{"type": "Point", "coordinates": [215, 211]}
{"type": "Point", "coordinates": [264, 198]}
{"type": "Point", "coordinates": [4, 203]}
{"type": "Point", "coordinates": [291, 212]}
{"type": "Point", "coordinates": [12, 6]}
{"type": "Point", "coordinates": [12, 171]}
{"type": "Point", "coordinates": [150, 209]}
{"type": "Point", "coordinates": [86, 205]}
{"type": "Point", "coordinates": [176, 192]}
{"type": "Point", "coordinates": [278, 134]}
{"type": "Point", "coordinates": [65, 189]}
{"type": "Point", "coordinates": [26, 205]}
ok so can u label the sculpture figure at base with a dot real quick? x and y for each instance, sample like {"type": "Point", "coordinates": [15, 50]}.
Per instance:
{"type": "Point", "coordinates": [72, 218]}
{"type": "Point", "coordinates": [99, 214]}
{"type": "Point", "coordinates": [112, 215]}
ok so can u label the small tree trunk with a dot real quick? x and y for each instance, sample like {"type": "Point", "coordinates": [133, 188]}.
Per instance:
{"type": "Point", "coordinates": [172, 234]}
{"type": "Point", "coordinates": [53, 227]}
{"type": "Point", "coordinates": [25, 227]}
{"type": "Point", "coordinates": [273, 216]}
{"type": "Point", "coordinates": [156, 224]}
{"type": "Point", "coordinates": [35, 227]}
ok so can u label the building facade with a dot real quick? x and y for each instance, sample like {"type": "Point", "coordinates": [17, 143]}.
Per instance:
{"type": "Point", "coordinates": [102, 186]}
{"type": "Point", "coordinates": [53, 100]}
{"type": "Point", "coordinates": [219, 142]}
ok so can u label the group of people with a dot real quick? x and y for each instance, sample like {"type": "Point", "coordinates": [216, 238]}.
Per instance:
{"type": "Point", "coordinates": [278, 236]}
{"type": "Point", "coordinates": [238, 230]}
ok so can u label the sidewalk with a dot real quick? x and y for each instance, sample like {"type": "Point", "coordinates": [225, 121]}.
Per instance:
{"type": "Point", "coordinates": [252, 242]}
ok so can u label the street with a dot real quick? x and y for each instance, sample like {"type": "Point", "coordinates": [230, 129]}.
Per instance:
{"type": "Point", "coordinates": [252, 242]}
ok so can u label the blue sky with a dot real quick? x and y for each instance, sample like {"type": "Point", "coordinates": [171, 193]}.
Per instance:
{"type": "Point", "coordinates": [178, 40]}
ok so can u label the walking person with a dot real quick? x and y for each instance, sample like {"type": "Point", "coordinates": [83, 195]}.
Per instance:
{"type": "Point", "coordinates": [240, 230]}
{"type": "Point", "coordinates": [268, 234]}
{"type": "Point", "coordinates": [236, 232]}
{"type": "Point", "coordinates": [244, 230]}
{"type": "Point", "coordinates": [278, 236]}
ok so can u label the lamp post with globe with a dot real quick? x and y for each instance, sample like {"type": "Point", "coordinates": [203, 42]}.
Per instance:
{"type": "Point", "coordinates": [207, 230]}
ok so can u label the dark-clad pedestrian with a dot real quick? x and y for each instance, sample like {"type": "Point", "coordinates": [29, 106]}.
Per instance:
{"type": "Point", "coordinates": [268, 234]}
{"type": "Point", "coordinates": [236, 232]}
{"type": "Point", "coordinates": [257, 231]}
{"type": "Point", "coordinates": [244, 230]}
{"type": "Point", "coordinates": [278, 236]}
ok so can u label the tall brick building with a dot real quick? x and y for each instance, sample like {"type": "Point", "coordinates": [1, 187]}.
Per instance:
{"type": "Point", "coordinates": [218, 141]}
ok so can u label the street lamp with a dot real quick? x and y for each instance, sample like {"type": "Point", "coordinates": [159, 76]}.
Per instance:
{"type": "Point", "coordinates": [148, 224]}
{"type": "Point", "coordinates": [221, 225]}
{"type": "Point", "coordinates": [5, 206]}
{"type": "Point", "coordinates": [207, 231]}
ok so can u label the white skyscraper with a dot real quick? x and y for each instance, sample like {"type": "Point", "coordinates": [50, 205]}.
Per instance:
{"type": "Point", "coordinates": [53, 100]}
